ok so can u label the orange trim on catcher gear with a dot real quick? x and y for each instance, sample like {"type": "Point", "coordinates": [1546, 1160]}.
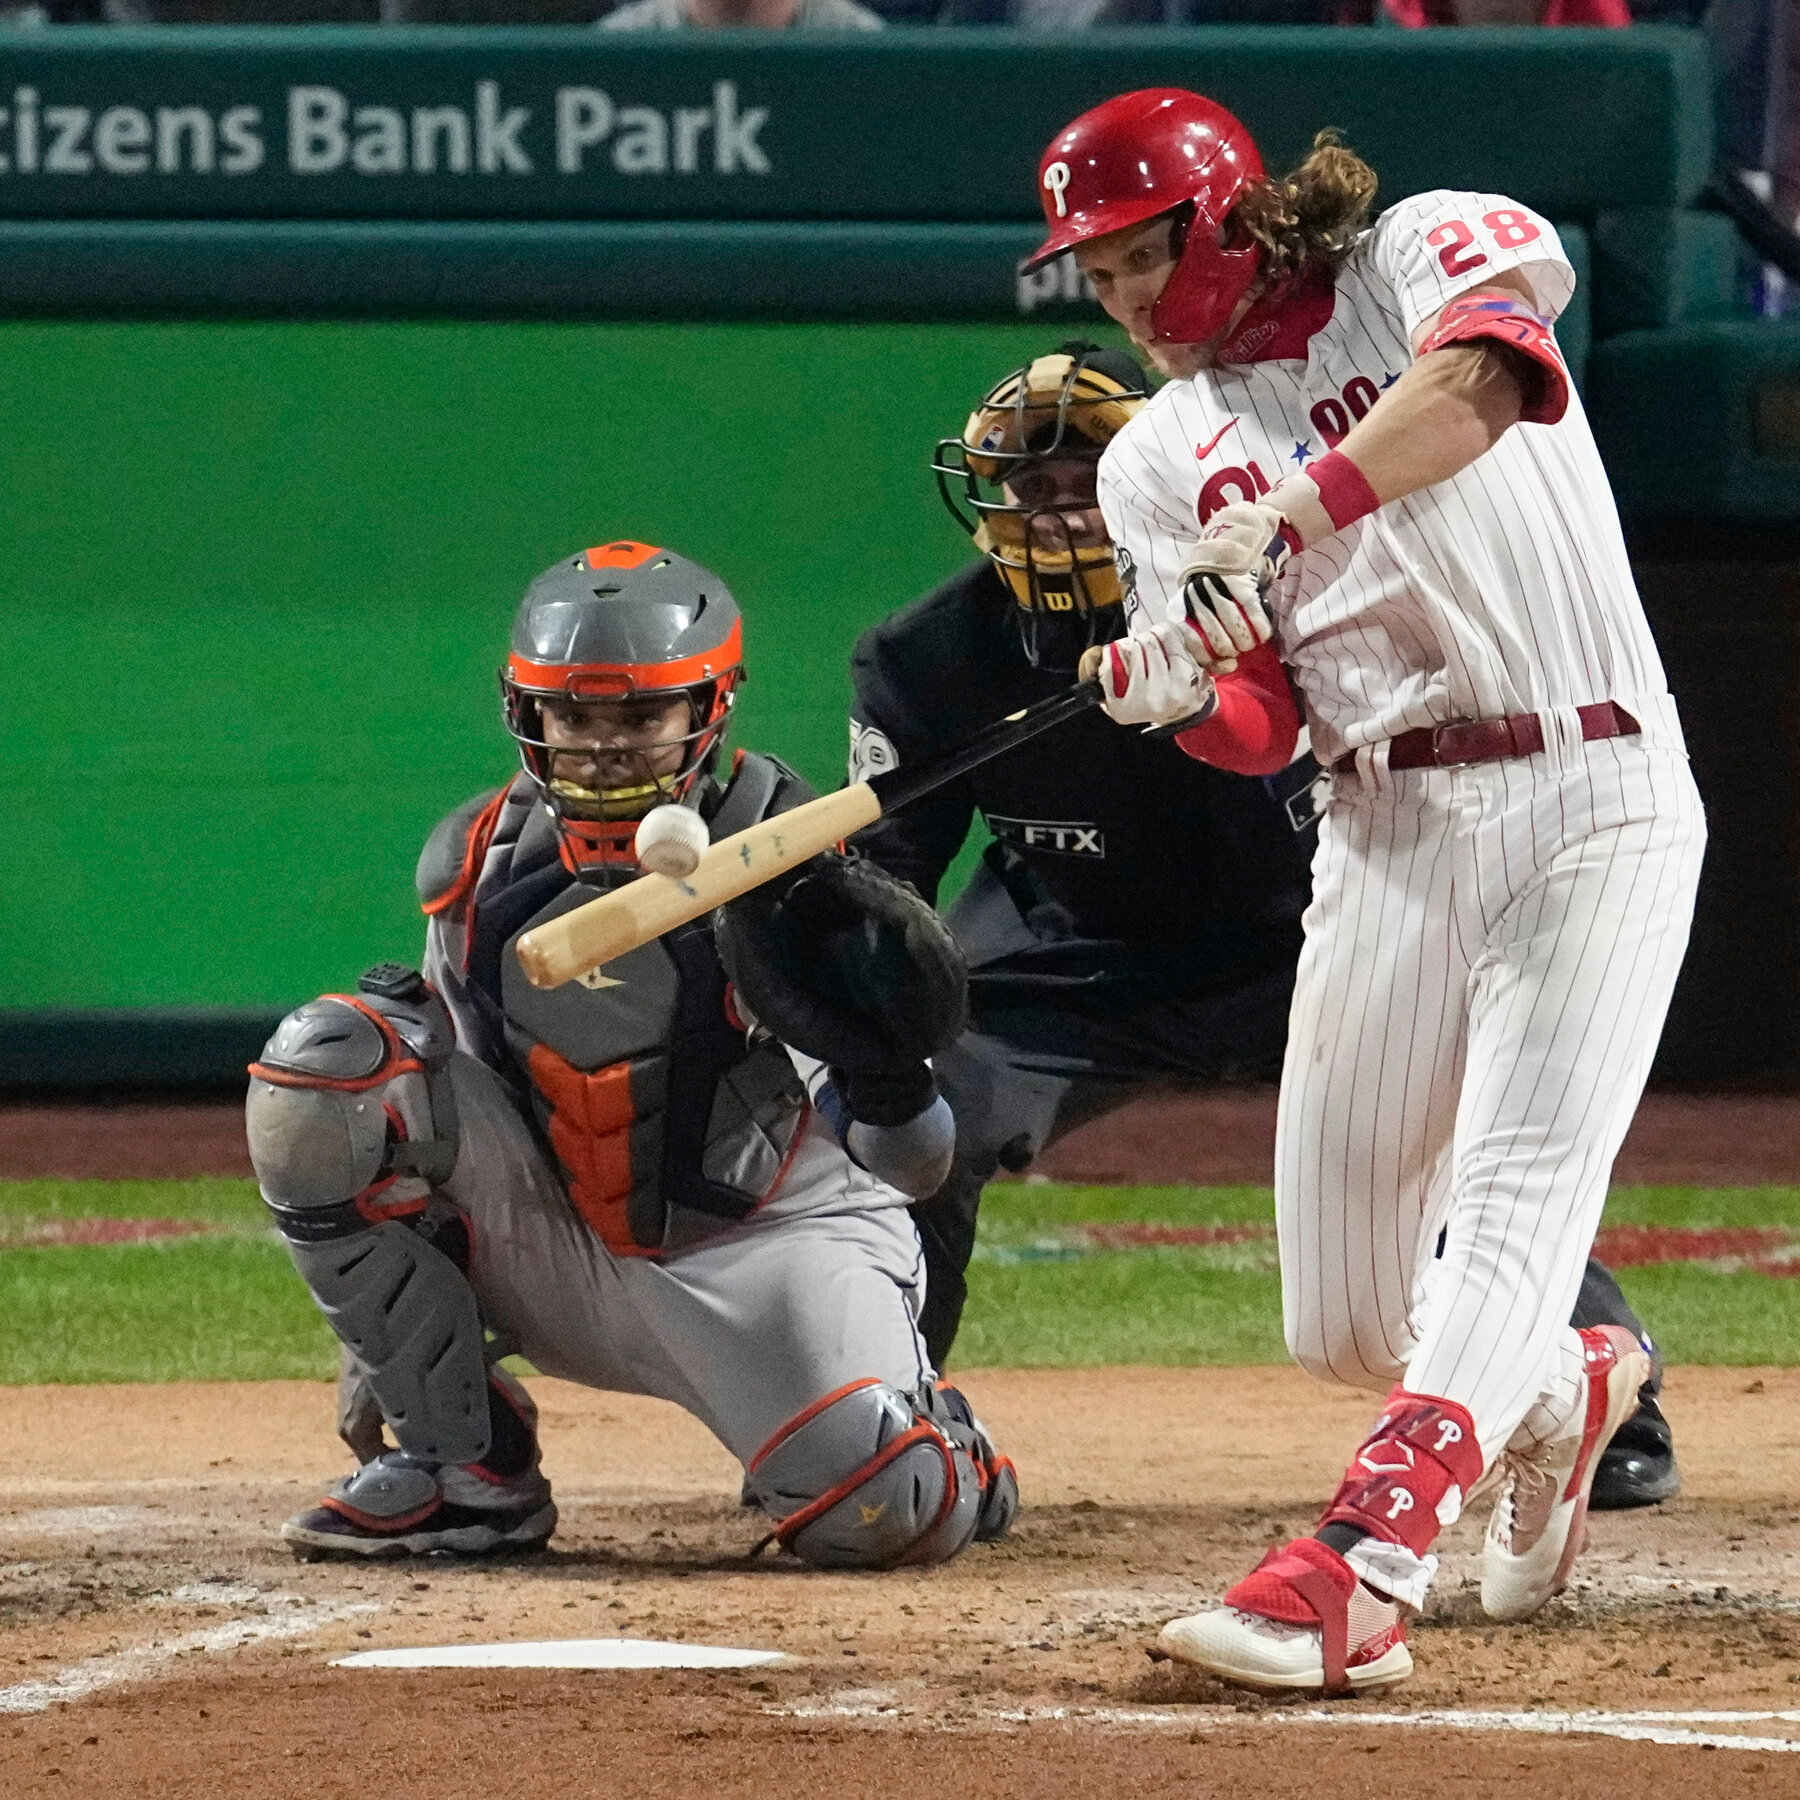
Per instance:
{"type": "Point", "coordinates": [475, 849]}
{"type": "Point", "coordinates": [590, 1130]}
{"type": "Point", "coordinates": [627, 553]}
{"type": "Point", "coordinates": [921, 1433]}
{"type": "Point", "coordinates": [401, 1209]}
{"type": "Point", "coordinates": [606, 843]}
{"type": "Point", "coordinates": [617, 681]}
{"type": "Point", "coordinates": [365, 1202]}
{"type": "Point", "coordinates": [810, 1412]}
{"type": "Point", "coordinates": [398, 1062]}
{"type": "Point", "coordinates": [387, 1527]}
{"type": "Point", "coordinates": [480, 1470]}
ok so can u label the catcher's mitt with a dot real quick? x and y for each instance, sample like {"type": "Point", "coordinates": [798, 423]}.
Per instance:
{"type": "Point", "coordinates": [846, 964]}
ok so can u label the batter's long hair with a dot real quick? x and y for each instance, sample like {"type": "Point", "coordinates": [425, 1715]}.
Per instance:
{"type": "Point", "coordinates": [1313, 215]}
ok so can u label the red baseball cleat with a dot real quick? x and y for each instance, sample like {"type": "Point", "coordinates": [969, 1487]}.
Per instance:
{"type": "Point", "coordinates": [1301, 1619]}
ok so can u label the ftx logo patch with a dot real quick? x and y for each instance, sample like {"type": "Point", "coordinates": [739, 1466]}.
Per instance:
{"type": "Point", "coordinates": [1059, 837]}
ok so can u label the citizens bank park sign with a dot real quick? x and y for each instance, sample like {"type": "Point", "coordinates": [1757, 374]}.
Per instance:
{"type": "Point", "coordinates": [321, 130]}
{"type": "Point", "coordinates": [428, 123]}
{"type": "Point", "coordinates": [420, 123]}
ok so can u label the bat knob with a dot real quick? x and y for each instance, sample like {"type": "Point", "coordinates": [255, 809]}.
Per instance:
{"type": "Point", "coordinates": [535, 961]}
{"type": "Point", "coordinates": [1089, 666]}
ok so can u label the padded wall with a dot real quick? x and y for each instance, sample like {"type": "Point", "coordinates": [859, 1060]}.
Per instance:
{"type": "Point", "coordinates": [258, 579]}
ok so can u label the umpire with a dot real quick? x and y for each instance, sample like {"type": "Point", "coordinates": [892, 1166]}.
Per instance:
{"type": "Point", "coordinates": [1135, 922]}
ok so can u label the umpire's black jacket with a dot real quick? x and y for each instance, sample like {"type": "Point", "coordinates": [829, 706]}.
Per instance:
{"type": "Point", "coordinates": [1122, 855]}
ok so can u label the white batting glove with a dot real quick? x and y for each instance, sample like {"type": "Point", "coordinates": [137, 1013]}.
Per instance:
{"type": "Point", "coordinates": [1153, 679]}
{"type": "Point", "coordinates": [1225, 581]}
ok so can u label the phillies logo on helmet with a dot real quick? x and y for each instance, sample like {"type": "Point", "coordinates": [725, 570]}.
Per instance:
{"type": "Point", "coordinates": [1145, 154]}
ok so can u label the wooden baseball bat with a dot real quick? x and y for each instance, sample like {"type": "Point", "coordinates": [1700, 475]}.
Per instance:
{"type": "Point", "coordinates": [608, 926]}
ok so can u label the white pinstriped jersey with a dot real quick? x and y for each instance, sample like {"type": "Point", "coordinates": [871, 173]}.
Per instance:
{"type": "Point", "coordinates": [1502, 590]}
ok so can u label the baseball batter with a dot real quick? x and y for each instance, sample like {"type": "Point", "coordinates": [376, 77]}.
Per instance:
{"type": "Point", "coordinates": [1371, 455]}
{"type": "Point", "coordinates": [1115, 858]}
{"type": "Point", "coordinates": [629, 1181]}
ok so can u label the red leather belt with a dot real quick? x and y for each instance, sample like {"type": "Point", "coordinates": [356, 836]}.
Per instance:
{"type": "Point", "coordinates": [1492, 740]}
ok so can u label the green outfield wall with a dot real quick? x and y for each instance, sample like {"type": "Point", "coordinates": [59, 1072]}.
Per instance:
{"type": "Point", "coordinates": [315, 345]}
{"type": "Point", "coordinates": [258, 579]}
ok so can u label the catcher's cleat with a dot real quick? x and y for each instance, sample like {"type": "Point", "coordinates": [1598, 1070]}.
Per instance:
{"type": "Point", "coordinates": [1301, 1620]}
{"type": "Point", "coordinates": [397, 1506]}
{"type": "Point", "coordinates": [1638, 1467]}
{"type": "Point", "coordinates": [1539, 1524]}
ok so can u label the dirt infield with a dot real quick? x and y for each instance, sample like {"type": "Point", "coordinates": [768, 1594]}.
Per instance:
{"type": "Point", "coordinates": [1221, 1136]}
{"type": "Point", "coordinates": [159, 1642]}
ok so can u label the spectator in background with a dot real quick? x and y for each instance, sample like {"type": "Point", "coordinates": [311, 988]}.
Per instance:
{"type": "Point", "coordinates": [1508, 12]}
{"type": "Point", "coordinates": [755, 15]}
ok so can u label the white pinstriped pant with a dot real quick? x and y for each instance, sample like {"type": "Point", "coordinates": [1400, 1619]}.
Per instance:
{"type": "Point", "coordinates": [1489, 956]}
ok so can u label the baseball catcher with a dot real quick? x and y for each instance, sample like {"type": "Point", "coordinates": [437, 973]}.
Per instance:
{"type": "Point", "coordinates": [675, 1181]}
{"type": "Point", "coordinates": [1135, 924]}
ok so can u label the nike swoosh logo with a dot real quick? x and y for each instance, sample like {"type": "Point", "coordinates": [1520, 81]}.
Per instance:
{"type": "Point", "coordinates": [1203, 451]}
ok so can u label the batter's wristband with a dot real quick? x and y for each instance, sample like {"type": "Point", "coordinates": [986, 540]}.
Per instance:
{"type": "Point", "coordinates": [1344, 490]}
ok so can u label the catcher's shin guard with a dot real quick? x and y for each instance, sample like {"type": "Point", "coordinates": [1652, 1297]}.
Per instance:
{"type": "Point", "coordinates": [872, 1478]}
{"type": "Point", "coordinates": [350, 1118]}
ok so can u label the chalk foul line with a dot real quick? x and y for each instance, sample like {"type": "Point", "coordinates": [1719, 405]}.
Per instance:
{"type": "Point", "coordinates": [1644, 1727]}
{"type": "Point", "coordinates": [92, 1673]}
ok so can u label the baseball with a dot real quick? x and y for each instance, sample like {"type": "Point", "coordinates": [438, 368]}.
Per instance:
{"type": "Point", "coordinates": [669, 842]}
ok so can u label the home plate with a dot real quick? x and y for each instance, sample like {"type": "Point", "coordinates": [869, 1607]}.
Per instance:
{"type": "Point", "coordinates": [565, 1653]}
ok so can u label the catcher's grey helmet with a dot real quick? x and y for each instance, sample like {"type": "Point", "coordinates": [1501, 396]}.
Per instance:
{"type": "Point", "coordinates": [617, 622]}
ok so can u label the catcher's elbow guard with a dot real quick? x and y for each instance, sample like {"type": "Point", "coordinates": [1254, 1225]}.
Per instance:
{"type": "Point", "coordinates": [1500, 319]}
{"type": "Point", "coordinates": [872, 1478]}
{"type": "Point", "coordinates": [914, 1157]}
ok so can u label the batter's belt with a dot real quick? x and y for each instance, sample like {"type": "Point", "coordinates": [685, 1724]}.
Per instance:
{"type": "Point", "coordinates": [1491, 740]}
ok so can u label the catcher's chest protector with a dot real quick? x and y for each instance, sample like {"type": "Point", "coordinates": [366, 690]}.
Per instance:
{"type": "Point", "coordinates": [666, 1124]}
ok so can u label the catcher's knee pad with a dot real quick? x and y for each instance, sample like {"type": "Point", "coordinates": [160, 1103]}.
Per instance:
{"type": "Point", "coordinates": [350, 1120]}
{"type": "Point", "coordinates": [872, 1478]}
{"type": "Point", "coordinates": [350, 1103]}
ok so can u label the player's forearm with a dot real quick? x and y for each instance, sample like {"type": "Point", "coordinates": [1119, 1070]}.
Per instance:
{"type": "Point", "coordinates": [1255, 726]}
{"type": "Point", "coordinates": [1447, 410]}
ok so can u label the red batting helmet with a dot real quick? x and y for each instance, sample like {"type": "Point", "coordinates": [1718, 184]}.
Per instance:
{"type": "Point", "coordinates": [1146, 153]}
